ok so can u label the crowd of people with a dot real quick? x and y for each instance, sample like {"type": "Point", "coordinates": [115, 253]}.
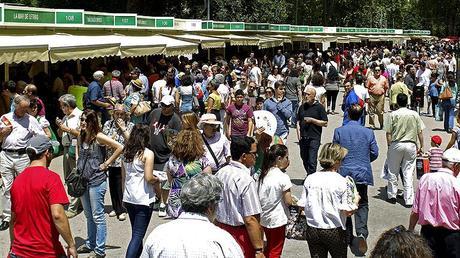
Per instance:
{"type": "Point", "coordinates": [183, 139]}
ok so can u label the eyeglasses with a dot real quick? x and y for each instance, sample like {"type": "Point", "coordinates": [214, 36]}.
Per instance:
{"type": "Point", "coordinates": [83, 119]}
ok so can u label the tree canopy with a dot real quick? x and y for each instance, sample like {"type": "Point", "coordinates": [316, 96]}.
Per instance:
{"type": "Point", "coordinates": [442, 18]}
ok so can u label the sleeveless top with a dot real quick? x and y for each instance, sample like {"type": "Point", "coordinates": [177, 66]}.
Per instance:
{"type": "Point", "coordinates": [137, 189]}
{"type": "Point", "coordinates": [90, 157]}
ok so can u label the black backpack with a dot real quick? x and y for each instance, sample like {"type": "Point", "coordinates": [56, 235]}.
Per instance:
{"type": "Point", "coordinates": [332, 74]}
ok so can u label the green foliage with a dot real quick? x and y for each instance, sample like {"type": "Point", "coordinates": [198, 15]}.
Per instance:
{"type": "Point", "coordinates": [442, 17]}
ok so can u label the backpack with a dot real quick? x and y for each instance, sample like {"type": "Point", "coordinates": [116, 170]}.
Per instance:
{"type": "Point", "coordinates": [332, 74]}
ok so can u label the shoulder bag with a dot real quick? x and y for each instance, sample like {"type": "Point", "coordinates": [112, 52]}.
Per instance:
{"type": "Point", "coordinates": [76, 183]}
{"type": "Point", "coordinates": [142, 108]}
{"type": "Point", "coordinates": [446, 94]}
{"type": "Point", "coordinates": [210, 151]}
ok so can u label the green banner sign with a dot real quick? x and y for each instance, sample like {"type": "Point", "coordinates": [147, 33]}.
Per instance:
{"type": "Point", "coordinates": [250, 26]}
{"type": "Point", "coordinates": [221, 25]}
{"type": "Point", "coordinates": [145, 22]}
{"type": "Point", "coordinates": [97, 19]}
{"type": "Point", "coordinates": [274, 27]}
{"type": "Point", "coordinates": [285, 27]}
{"type": "Point", "coordinates": [125, 21]}
{"type": "Point", "coordinates": [69, 17]}
{"type": "Point", "coordinates": [263, 26]}
{"type": "Point", "coordinates": [164, 22]}
{"type": "Point", "coordinates": [237, 26]}
{"type": "Point", "coordinates": [29, 16]}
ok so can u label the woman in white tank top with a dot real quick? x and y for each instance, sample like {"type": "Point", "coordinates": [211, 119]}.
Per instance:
{"type": "Point", "coordinates": [139, 194]}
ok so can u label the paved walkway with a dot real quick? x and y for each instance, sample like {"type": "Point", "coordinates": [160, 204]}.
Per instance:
{"type": "Point", "coordinates": [382, 215]}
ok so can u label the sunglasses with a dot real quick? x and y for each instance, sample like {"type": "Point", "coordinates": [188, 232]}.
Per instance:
{"type": "Point", "coordinates": [166, 106]}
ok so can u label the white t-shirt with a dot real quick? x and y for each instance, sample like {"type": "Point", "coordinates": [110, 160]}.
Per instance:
{"type": "Point", "coordinates": [254, 74]}
{"type": "Point", "coordinates": [274, 211]}
{"type": "Point", "coordinates": [224, 92]}
{"type": "Point", "coordinates": [156, 90]}
{"type": "Point", "coordinates": [320, 91]}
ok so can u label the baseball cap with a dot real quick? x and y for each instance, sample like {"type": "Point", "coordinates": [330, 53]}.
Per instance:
{"type": "Point", "coordinates": [98, 75]}
{"type": "Point", "coordinates": [167, 100]}
{"type": "Point", "coordinates": [436, 139]}
{"type": "Point", "coordinates": [116, 73]}
{"type": "Point", "coordinates": [452, 155]}
{"type": "Point", "coordinates": [39, 144]}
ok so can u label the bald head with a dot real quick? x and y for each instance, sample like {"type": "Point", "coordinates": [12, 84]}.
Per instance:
{"type": "Point", "coordinates": [310, 95]}
{"type": "Point", "coordinates": [31, 90]}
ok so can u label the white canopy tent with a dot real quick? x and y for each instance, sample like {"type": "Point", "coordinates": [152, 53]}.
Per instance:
{"type": "Point", "coordinates": [205, 41]}
{"type": "Point", "coordinates": [61, 47]}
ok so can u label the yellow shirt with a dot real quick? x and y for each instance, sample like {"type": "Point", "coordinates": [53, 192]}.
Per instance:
{"type": "Point", "coordinates": [217, 104]}
{"type": "Point", "coordinates": [404, 125]}
{"type": "Point", "coordinates": [396, 89]}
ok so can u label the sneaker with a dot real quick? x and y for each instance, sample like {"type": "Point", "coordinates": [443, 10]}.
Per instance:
{"type": "Point", "coordinates": [70, 214]}
{"type": "Point", "coordinates": [83, 249]}
{"type": "Point", "coordinates": [162, 210]}
{"type": "Point", "coordinates": [112, 214]}
{"type": "Point", "coordinates": [122, 217]}
{"type": "Point", "coordinates": [95, 255]}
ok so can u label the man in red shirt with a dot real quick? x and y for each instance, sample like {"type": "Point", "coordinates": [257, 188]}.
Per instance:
{"type": "Point", "coordinates": [37, 204]}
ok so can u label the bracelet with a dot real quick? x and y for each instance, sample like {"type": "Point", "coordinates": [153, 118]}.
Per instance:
{"type": "Point", "coordinates": [258, 250]}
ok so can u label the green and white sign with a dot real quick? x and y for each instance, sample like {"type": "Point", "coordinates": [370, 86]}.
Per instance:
{"type": "Point", "coordinates": [14, 15]}
{"type": "Point", "coordinates": [221, 25]}
{"type": "Point", "coordinates": [237, 26]}
{"type": "Point", "coordinates": [68, 17]}
{"type": "Point", "coordinates": [121, 20]}
{"type": "Point", "coordinates": [145, 22]}
{"type": "Point", "coordinates": [99, 19]}
{"type": "Point", "coordinates": [164, 22]}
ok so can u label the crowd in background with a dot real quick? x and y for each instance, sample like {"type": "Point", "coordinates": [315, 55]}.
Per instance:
{"type": "Point", "coordinates": [180, 136]}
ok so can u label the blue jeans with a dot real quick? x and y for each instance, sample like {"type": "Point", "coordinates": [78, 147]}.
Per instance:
{"type": "Point", "coordinates": [295, 106]}
{"type": "Point", "coordinates": [139, 216]}
{"type": "Point", "coordinates": [93, 206]}
{"type": "Point", "coordinates": [448, 107]}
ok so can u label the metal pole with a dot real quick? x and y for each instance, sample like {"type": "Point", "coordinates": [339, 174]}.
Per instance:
{"type": "Point", "coordinates": [209, 18]}
{"type": "Point", "coordinates": [7, 72]}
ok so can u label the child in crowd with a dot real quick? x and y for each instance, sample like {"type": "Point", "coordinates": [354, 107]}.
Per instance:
{"type": "Point", "coordinates": [435, 153]}
{"type": "Point", "coordinates": [259, 104]}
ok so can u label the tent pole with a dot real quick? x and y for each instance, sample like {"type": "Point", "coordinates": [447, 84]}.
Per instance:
{"type": "Point", "coordinates": [78, 66]}
{"type": "Point", "coordinates": [45, 67]}
{"type": "Point", "coordinates": [7, 72]}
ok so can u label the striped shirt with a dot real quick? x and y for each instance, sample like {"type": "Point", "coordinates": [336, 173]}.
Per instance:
{"type": "Point", "coordinates": [435, 158]}
{"type": "Point", "coordinates": [239, 196]}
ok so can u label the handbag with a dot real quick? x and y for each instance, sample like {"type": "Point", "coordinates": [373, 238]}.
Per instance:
{"type": "Point", "coordinates": [142, 107]}
{"type": "Point", "coordinates": [446, 94]}
{"type": "Point", "coordinates": [195, 102]}
{"type": "Point", "coordinates": [76, 183]}
{"type": "Point", "coordinates": [296, 227]}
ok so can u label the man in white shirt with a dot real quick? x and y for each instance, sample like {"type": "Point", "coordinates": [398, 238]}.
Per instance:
{"type": "Point", "coordinates": [255, 74]}
{"type": "Point", "coordinates": [362, 93]}
{"type": "Point", "coordinates": [68, 130]}
{"type": "Point", "coordinates": [157, 87]}
{"type": "Point", "coordinates": [193, 234]}
{"type": "Point", "coordinates": [423, 79]}
{"type": "Point", "coordinates": [16, 129]}
{"type": "Point", "coordinates": [238, 212]}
